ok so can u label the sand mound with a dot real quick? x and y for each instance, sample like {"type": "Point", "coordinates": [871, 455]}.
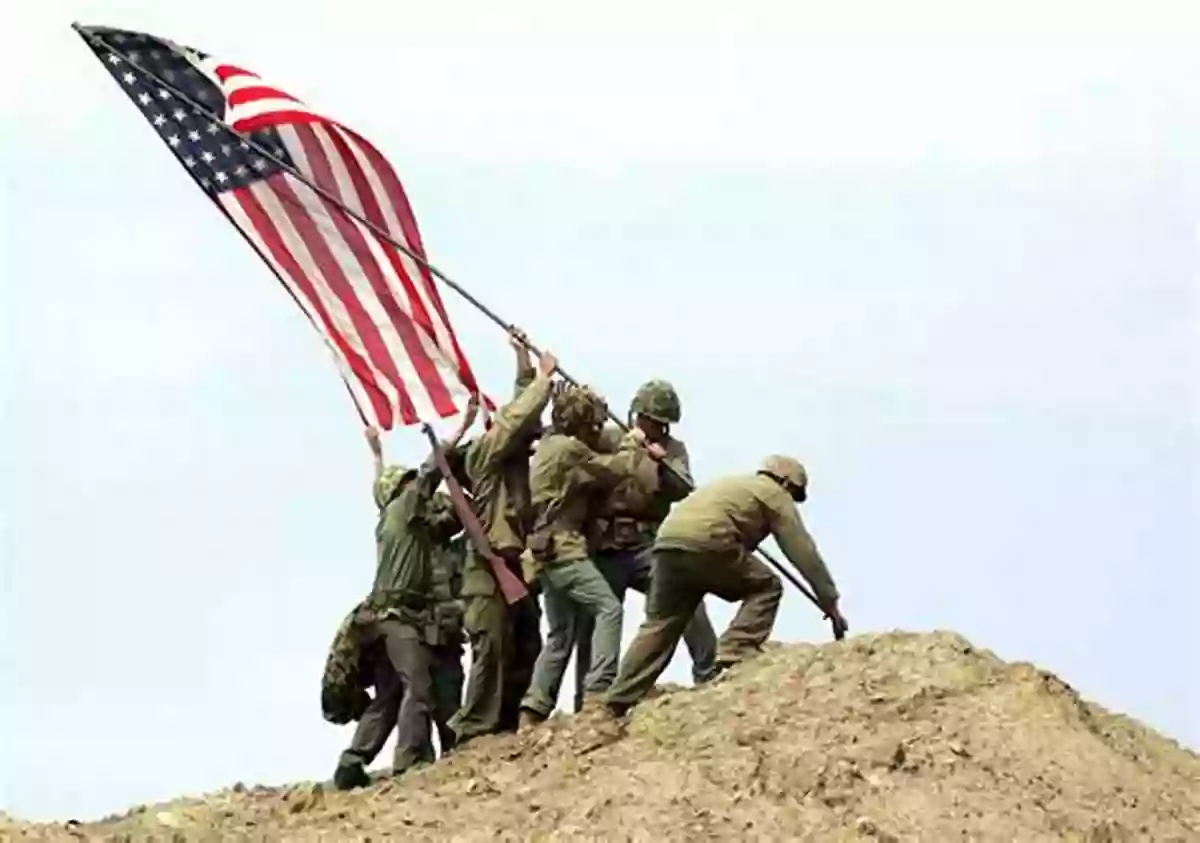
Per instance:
{"type": "Point", "coordinates": [880, 737]}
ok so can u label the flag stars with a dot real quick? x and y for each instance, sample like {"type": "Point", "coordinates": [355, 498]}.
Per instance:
{"type": "Point", "coordinates": [213, 127]}
{"type": "Point", "coordinates": [113, 58]}
{"type": "Point", "coordinates": [179, 114]}
{"type": "Point", "coordinates": [259, 164]}
{"type": "Point", "coordinates": [207, 157]}
{"type": "Point", "coordinates": [159, 120]}
{"type": "Point", "coordinates": [226, 150]}
{"type": "Point", "coordinates": [135, 57]}
{"type": "Point", "coordinates": [189, 161]}
{"type": "Point", "coordinates": [220, 177]}
{"type": "Point", "coordinates": [164, 94]}
{"type": "Point", "coordinates": [145, 99]}
{"type": "Point", "coordinates": [193, 136]}
{"type": "Point", "coordinates": [240, 171]}
{"type": "Point", "coordinates": [129, 78]}
{"type": "Point", "coordinates": [173, 141]}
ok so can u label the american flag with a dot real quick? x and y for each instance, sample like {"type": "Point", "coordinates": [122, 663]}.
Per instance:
{"type": "Point", "coordinates": [259, 153]}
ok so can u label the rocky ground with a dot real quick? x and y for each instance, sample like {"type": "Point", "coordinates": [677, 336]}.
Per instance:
{"type": "Point", "coordinates": [880, 737]}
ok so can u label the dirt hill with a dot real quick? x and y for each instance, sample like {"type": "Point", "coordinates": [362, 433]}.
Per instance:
{"type": "Point", "coordinates": [881, 737]}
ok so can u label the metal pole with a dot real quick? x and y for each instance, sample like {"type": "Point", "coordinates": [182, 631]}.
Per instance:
{"type": "Point", "coordinates": [508, 327]}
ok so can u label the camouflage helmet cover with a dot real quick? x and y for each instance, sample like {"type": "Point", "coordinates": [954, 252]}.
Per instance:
{"type": "Point", "coordinates": [785, 468]}
{"type": "Point", "coordinates": [577, 407]}
{"type": "Point", "coordinates": [389, 483]}
{"type": "Point", "coordinates": [658, 400]}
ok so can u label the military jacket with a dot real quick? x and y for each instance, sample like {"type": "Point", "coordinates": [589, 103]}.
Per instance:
{"type": "Point", "coordinates": [497, 466]}
{"type": "Point", "coordinates": [565, 476]}
{"type": "Point", "coordinates": [628, 518]}
{"type": "Point", "coordinates": [738, 513]}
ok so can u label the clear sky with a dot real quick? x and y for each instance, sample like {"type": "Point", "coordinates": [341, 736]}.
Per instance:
{"type": "Point", "coordinates": [946, 257]}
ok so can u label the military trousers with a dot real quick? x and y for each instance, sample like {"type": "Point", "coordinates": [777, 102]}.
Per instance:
{"type": "Point", "coordinates": [682, 579]}
{"type": "Point", "coordinates": [505, 643]}
{"type": "Point", "coordinates": [403, 696]}
{"type": "Point", "coordinates": [446, 674]}
{"type": "Point", "coordinates": [573, 590]}
{"type": "Point", "coordinates": [634, 569]}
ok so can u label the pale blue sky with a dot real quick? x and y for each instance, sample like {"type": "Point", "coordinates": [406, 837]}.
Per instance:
{"type": "Point", "coordinates": [948, 259]}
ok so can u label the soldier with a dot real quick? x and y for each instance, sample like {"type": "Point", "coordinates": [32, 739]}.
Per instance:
{"type": "Point", "coordinates": [446, 657]}
{"type": "Point", "coordinates": [394, 627]}
{"type": "Point", "coordinates": [704, 547]}
{"type": "Point", "coordinates": [629, 519]}
{"type": "Point", "coordinates": [567, 472]}
{"type": "Point", "coordinates": [505, 640]}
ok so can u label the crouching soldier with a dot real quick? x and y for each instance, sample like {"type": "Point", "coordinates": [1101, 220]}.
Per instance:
{"type": "Point", "coordinates": [704, 547]}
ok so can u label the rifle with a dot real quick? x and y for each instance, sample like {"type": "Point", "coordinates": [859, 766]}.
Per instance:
{"type": "Point", "coordinates": [510, 584]}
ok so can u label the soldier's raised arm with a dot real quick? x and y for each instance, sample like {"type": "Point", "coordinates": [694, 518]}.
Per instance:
{"type": "Point", "coordinates": [372, 434]}
{"type": "Point", "coordinates": [525, 370]}
{"type": "Point", "coordinates": [514, 418]}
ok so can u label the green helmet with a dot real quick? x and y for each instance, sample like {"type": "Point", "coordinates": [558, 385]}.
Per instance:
{"type": "Point", "coordinates": [389, 483]}
{"type": "Point", "coordinates": [576, 409]}
{"type": "Point", "coordinates": [657, 399]}
{"type": "Point", "coordinates": [785, 468]}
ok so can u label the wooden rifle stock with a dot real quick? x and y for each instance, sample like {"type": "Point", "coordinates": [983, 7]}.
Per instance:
{"type": "Point", "coordinates": [510, 584]}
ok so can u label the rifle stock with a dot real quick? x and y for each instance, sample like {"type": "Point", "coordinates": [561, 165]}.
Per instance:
{"type": "Point", "coordinates": [510, 584]}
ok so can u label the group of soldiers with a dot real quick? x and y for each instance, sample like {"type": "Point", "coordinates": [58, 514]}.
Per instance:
{"type": "Point", "coordinates": [580, 513]}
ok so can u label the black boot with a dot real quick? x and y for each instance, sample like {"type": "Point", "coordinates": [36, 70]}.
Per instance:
{"type": "Point", "coordinates": [350, 776]}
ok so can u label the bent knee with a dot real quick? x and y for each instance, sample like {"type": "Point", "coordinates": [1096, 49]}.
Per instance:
{"type": "Point", "coordinates": [773, 588]}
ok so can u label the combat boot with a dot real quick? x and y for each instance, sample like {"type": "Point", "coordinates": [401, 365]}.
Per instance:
{"type": "Point", "coordinates": [529, 719]}
{"type": "Point", "coordinates": [350, 776]}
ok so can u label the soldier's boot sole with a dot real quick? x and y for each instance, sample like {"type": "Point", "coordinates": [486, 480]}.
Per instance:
{"type": "Point", "coordinates": [351, 777]}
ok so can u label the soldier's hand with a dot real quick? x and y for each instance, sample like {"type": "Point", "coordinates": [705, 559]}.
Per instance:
{"type": "Point", "coordinates": [372, 434]}
{"type": "Point", "coordinates": [547, 364]}
{"type": "Point", "coordinates": [637, 435]}
{"type": "Point", "coordinates": [834, 615]}
{"type": "Point", "coordinates": [517, 339]}
{"type": "Point", "coordinates": [656, 451]}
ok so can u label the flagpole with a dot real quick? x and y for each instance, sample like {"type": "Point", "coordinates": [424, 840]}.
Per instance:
{"type": "Point", "coordinates": [508, 327]}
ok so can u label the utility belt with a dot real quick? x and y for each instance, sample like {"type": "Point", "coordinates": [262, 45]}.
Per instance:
{"type": "Point", "coordinates": [622, 533]}
{"type": "Point", "coordinates": [400, 599]}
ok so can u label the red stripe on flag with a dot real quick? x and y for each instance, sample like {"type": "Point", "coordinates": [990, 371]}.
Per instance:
{"type": "Point", "coordinates": [253, 93]}
{"type": "Point", "coordinates": [336, 280]}
{"type": "Point", "coordinates": [283, 257]}
{"type": "Point", "coordinates": [412, 236]}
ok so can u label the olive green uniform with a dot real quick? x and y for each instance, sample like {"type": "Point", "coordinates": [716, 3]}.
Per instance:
{"type": "Point", "coordinates": [625, 528]}
{"type": "Point", "coordinates": [446, 670]}
{"type": "Point", "coordinates": [505, 640]}
{"type": "Point", "coordinates": [704, 547]}
{"type": "Point", "coordinates": [566, 476]}
{"type": "Point", "coordinates": [396, 624]}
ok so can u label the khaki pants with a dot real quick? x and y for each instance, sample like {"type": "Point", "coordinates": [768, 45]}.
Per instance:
{"type": "Point", "coordinates": [505, 643]}
{"type": "Point", "coordinates": [681, 581]}
{"type": "Point", "coordinates": [634, 569]}
{"type": "Point", "coordinates": [403, 697]}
